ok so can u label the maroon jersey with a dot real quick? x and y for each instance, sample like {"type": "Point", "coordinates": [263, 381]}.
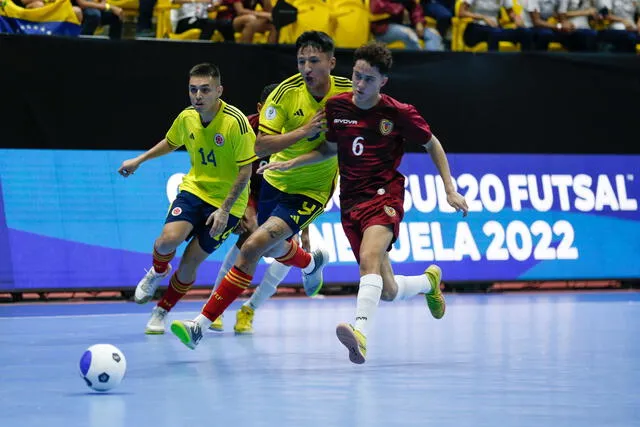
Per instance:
{"type": "Point", "coordinates": [256, 180]}
{"type": "Point", "coordinates": [371, 145]}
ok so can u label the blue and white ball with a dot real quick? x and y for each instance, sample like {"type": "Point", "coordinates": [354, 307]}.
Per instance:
{"type": "Point", "coordinates": [103, 366]}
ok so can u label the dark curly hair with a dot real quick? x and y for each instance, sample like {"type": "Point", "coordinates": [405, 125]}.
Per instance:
{"type": "Point", "coordinates": [376, 54]}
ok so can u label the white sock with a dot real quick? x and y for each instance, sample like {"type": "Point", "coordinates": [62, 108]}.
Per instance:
{"type": "Point", "coordinates": [309, 268]}
{"type": "Point", "coordinates": [410, 286]}
{"type": "Point", "coordinates": [228, 262]}
{"type": "Point", "coordinates": [202, 321]}
{"type": "Point", "coordinates": [367, 302]}
{"type": "Point", "coordinates": [267, 287]}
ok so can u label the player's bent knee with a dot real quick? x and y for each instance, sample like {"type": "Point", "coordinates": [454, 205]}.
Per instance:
{"type": "Point", "coordinates": [169, 240]}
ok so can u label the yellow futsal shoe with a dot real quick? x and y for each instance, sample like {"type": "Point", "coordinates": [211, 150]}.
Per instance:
{"type": "Point", "coordinates": [355, 342]}
{"type": "Point", "coordinates": [244, 320]}
{"type": "Point", "coordinates": [435, 298]}
{"type": "Point", "coordinates": [217, 324]}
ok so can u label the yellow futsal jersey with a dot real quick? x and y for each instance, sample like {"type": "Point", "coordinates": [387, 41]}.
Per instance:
{"type": "Point", "coordinates": [290, 106]}
{"type": "Point", "coordinates": [216, 153]}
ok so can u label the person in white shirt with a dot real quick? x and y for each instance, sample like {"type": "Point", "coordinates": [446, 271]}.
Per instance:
{"type": "Point", "coordinates": [623, 33]}
{"type": "Point", "coordinates": [536, 15]}
{"type": "Point", "coordinates": [485, 26]}
{"type": "Point", "coordinates": [577, 13]}
{"type": "Point", "coordinates": [193, 14]}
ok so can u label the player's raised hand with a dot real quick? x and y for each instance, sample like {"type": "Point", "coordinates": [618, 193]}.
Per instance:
{"type": "Point", "coordinates": [218, 222]}
{"type": "Point", "coordinates": [317, 124]}
{"type": "Point", "coordinates": [276, 166]}
{"type": "Point", "coordinates": [128, 167]}
{"type": "Point", "coordinates": [458, 202]}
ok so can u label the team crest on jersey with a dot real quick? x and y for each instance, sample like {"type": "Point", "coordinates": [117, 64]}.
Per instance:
{"type": "Point", "coordinates": [271, 112]}
{"type": "Point", "coordinates": [219, 140]}
{"type": "Point", "coordinates": [389, 211]}
{"type": "Point", "coordinates": [176, 211]}
{"type": "Point", "coordinates": [386, 126]}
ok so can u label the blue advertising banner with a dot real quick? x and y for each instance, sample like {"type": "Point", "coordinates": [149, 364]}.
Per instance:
{"type": "Point", "coordinates": [68, 221]}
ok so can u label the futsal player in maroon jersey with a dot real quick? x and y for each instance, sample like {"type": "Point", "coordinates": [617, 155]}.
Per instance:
{"type": "Point", "coordinates": [368, 131]}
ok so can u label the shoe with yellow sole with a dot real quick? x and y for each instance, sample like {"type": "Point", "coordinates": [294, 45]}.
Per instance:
{"type": "Point", "coordinates": [355, 342]}
{"type": "Point", "coordinates": [244, 320]}
{"type": "Point", "coordinates": [435, 298]}
{"type": "Point", "coordinates": [217, 325]}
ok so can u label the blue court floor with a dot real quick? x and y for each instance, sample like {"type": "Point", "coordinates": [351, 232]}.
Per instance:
{"type": "Point", "coordinates": [539, 360]}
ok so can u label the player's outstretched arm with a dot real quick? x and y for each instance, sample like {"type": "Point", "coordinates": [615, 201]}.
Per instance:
{"type": "Point", "coordinates": [129, 166]}
{"type": "Point", "coordinates": [218, 219]}
{"type": "Point", "coordinates": [266, 144]}
{"type": "Point", "coordinates": [439, 158]}
{"type": "Point", "coordinates": [319, 154]}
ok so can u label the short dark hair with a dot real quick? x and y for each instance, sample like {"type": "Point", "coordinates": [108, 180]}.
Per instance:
{"type": "Point", "coordinates": [317, 39]}
{"type": "Point", "coordinates": [206, 70]}
{"type": "Point", "coordinates": [376, 54]}
{"type": "Point", "coordinates": [266, 91]}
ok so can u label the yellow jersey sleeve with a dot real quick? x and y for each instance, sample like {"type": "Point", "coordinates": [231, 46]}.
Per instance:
{"type": "Point", "coordinates": [276, 109]}
{"type": "Point", "coordinates": [243, 144]}
{"type": "Point", "coordinates": [272, 118]}
{"type": "Point", "coordinates": [174, 135]}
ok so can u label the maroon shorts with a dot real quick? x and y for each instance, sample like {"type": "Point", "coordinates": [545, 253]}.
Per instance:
{"type": "Point", "coordinates": [381, 210]}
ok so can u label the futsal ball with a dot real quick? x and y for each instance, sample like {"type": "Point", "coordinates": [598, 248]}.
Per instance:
{"type": "Point", "coordinates": [102, 366]}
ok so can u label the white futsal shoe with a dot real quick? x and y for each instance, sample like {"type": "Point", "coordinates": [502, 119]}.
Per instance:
{"type": "Point", "coordinates": [148, 284]}
{"type": "Point", "coordinates": [156, 324]}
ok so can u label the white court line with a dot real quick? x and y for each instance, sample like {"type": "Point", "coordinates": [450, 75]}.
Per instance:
{"type": "Point", "coordinates": [193, 313]}
{"type": "Point", "coordinates": [71, 316]}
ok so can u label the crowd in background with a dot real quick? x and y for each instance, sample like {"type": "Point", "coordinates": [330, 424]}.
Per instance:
{"type": "Point", "coordinates": [433, 25]}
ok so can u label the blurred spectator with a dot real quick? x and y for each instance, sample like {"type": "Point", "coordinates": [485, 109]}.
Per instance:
{"type": "Point", "coordinates": [441, 11]}
{"type": "Point", "coordinates": [145, 14]}
{"type": "Point", "coordinates": [30, 4]}
{"type": "Point", "coordinates": [193, 14]}
{"type": "Point", "coordinates": [391, 29]}
{"type": "Point", "coordinates": [97, 13]}
{"type": "Point", "coordinates": [485, 26]}
{"type": "Point", "coordinates": [622, 32]}
{"type": "Point", "coordinates": [240, 16]}
{"type": "Point", "coordinates": [232, 16]}
{"type": "Point", "coordinates": [33, 4]}
{"type": "Point", "coordinates": [579, 13]}
{"type": "Point", "coordinates": [538, 14]}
